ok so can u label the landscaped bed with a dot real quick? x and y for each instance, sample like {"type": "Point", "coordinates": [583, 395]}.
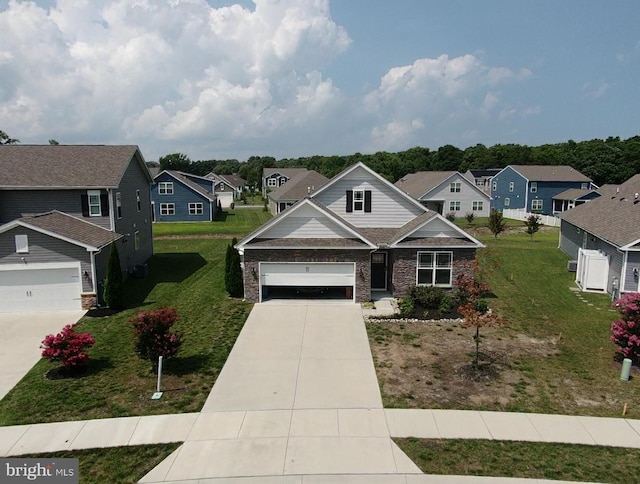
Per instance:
{"type": "Point", "coordinates": [554, 355]}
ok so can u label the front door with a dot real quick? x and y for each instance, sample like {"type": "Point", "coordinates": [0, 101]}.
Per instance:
{"type": "Point", "coordinates": [379, 271]}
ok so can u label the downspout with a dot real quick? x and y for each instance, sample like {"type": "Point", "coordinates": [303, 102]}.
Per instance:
{"type": "Point", "coordinates": [112, 219]}
{"type": "Point", "coordinates": [94, 274]}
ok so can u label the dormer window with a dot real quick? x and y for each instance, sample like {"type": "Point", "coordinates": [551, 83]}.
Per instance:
{"type": "Point", "coordinates": [272, 182]}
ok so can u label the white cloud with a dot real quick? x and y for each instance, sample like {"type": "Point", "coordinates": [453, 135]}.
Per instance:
{"type": "Point", "coordinates": [591, 91]}
{"type": "Point", "coordinates": [221, 82]}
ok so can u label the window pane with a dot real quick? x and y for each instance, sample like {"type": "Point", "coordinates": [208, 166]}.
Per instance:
{"type": "Point", "coordinates": [443, 259]}
{"type": "Point", "coordinates": [425, 276]}
{"type": "Point", "coordinates": [425, 259]}
{"type": "Point", "coordinates": [443, 277]}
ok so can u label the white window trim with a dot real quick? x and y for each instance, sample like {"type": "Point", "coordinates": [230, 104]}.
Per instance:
{"type": "Point", "coordinates": [435, 267]}
{"type": "Point", "coordinates": [584, 186]}
{"type": "Point", "coordinates": [534, 187]}
{"type": "Point", "coordinates": [495, 186]}
{"type": "Point", "coordinates": [165, 188]}
{"type": "Point", "coordinates": [536, 202]}
{"type": "Point", "coordinates": [361, 201]}
{"type": "Point", "coordinates": [94, 193]}
{"type": "Point", "coordinates": [507, 202]}
{"type": "Point", "coordinates": [477, 205]}
{"type": "Point", "coordinates": [512, 186]}
{"type": "Point", "coordinates": [167, 209]}
{"type": "Point", "coordinates": [272, 182]}
{"type": "Point", "coordinates": [455, 205]}
{"type": "Point", "coordinates": [22, 244]}
{"type": "Point", "coordinates": [196, 208]}
{"type": "Point", "coordinates": [455, 187]}
{"type": "Point", "coordinates": [136, 240]}
{"type": "Point", "coordinates": [138, 200]}
{"type": "Point", "coordinates": [118, 205]}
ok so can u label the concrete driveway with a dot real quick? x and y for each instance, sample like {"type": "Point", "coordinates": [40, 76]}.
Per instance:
{"type": "Point", "coordinates": [22, 334]}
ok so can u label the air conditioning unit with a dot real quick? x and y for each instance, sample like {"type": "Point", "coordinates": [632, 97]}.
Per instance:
{"type": "Point", "coordinates": [572, 265]}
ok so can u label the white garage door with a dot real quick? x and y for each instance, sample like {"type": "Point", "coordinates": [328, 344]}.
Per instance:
{"type": "Point", "coordinates": [325, 274]}
{"type": "Point", "coordinates": [225, 198]}
{"type": "Point", "coordinates": [40, 287]}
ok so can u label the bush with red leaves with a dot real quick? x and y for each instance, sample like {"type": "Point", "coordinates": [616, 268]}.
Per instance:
{"type": "Point", "coordinates": [68, 347]}
{"type": "Point", "coordinates": [154, 338]}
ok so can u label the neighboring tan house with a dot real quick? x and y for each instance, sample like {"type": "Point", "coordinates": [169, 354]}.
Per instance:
{"type": "Point", "coordinates": [297, 188]}
{"type": "Point", "coordinates": [183, 197]}
{"type": "Point", "coordinates": [532, 187]}
{"type": "Point", "coordinates": [273, 178]}
{"type": "Point", "coordinates": [61, 206]}
{"type": "Point", "coordinates": [603, 238]}
{"type": "Point", "coordinates": [355, 235]}
{"type": "Point", "coordinates": [446, 192]}
{"type": "Point", "coordinates": [572, 198]}
{"type": "Point", "coordinates": [228, 187]}
{"type": "Point", "coordinates": [482, 178]}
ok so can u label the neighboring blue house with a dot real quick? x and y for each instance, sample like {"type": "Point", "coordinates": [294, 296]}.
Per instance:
{"type": "Point", "coordinates": [183, 197]}
{"type": "Point", "coordinates": [533, 187]}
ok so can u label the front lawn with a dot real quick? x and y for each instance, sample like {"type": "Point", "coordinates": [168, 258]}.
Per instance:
{"type": "Point", "coordinates": [553, 357]}
{"type": "Point", "coordinates": [231, 223]}
{"type": "Point", "coordinates": [532, 460]}
{"type": "Point", "coordinates": [185, 274]}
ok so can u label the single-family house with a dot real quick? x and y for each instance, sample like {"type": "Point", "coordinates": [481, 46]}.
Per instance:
{"type": "Point", "coordinates": [61, 207]}
{"type": "Point", "coordinates": [446, 192]}
{"type": "Point", "coordinates": [356, 234]}
{"type": "Point", "coordinates": [572, 198]}
{"type": "Point", "coordinates": [229, 188]}
{"type": "Point", "coordinates": [482, 178]}
{"type": "Point", "coordinates": [532, 187]}
{"type": "Point", "coordinates": [603, 238]}
{"type": "Point", "coordinates": [273, 178]}
{"type": "Point", "coordinates": [182, 197]}
{"type": "Point", "coordinates": [297, 188]}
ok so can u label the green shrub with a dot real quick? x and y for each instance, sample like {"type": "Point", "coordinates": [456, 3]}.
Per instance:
{"type": "Point", "coordinates": [469, 216]}
{"type": "Point", "coordinates": [446, 305]}
{"type": "Point", "coordinates": [428, 296]}
{"type": "Point", "coordinates": [406, 305]}
{"type": "Point", "coordinates": [481, 306]}
{"type": "Point", "coordinates": [451, 216]}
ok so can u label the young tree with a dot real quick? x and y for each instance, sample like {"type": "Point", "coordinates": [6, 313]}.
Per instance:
{"type": "Point", "coordinates": [153, 334]}
{"type": "Point", "coordinates": [113, 290]}
{"type": "Point", "coordinates": [533, 224]}
{"type": "Point", "coordinates": [496, 223]}
{"type": "Point", "coordinates": [469, 216]}
{"type": "Point", "coordinates": [476, 315]}
{"type": "Point", "coordinates": [68, 347]}
{"type": "Point", "coordinates": [625, 333]}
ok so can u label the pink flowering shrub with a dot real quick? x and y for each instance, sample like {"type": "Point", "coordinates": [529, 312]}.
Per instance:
{"type": "Point", "coordinates": [154, 337]}
{"type": "Point", "coordinates": [68, 347]}
{"type": "Point", "coordinates": [625, 333]}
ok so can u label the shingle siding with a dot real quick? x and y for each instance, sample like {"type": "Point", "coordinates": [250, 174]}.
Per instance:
{"type": "Point", "coordinates": [42, 249]}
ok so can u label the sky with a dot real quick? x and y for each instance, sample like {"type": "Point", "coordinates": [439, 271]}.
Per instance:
{"type": "Point", "coordinates": [221, 79]}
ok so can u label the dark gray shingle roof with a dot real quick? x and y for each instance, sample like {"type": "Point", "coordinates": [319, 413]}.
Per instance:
{"type": "Point", "coordinates": [550, 173]}
{"type": "Point", "coordinates": [298, 186]}
{"type": "Point", "coordinates": [63, 166]}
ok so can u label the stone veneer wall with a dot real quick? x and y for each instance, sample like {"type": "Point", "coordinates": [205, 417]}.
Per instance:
{"type": "Point", "coordinates": [404, 262]}
{"type": "Point", "coordinates": [88, 300]}
{"type": "Point", "coordinates": [252, 257]}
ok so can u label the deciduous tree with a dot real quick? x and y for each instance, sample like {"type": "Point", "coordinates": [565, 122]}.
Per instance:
{"type": "Point", "coordinates": [496, 223]}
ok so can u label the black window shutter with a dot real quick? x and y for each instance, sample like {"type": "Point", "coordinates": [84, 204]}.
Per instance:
{"type": "Point", "coordinates": [84, 201]}
{"type": "Point", "coordinates": [104, 204]}
{"type": "Point", "coordinates": [349, 201]}
{"type": "Point", "coordinates": [367, 201]}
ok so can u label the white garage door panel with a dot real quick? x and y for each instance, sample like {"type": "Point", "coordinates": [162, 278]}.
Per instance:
{"type": "Point", "coordinates": [40, 289]}
{"type": "Point", "coordinates": [312, 274]}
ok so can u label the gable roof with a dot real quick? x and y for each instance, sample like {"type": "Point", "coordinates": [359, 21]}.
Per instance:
{"type": "Point", "coordinates": [299, 186]}
{"type": "Point", "coordinates": [50, 167]}
{"type": "Point", "coordinates": [234, 180]}
{"type": "Point", "coordinates": [419, 184]}
{"type": "Point", "coordinates": [360, 239]}
{"type": "Point", "coordinates": [550, 173]}
{"type": "Point", "coordinates": [485, 172]}
{"type": "Point", "coordinates": [66, 227]}
{"type": "Point", "coordinates": [364, 167]}
{"type": "Point", "coordinates": [288, 172]}
{"type": "Point", "coordinates": [184, 179]}
{"type": "Point", "coordinates": [456, 238]}
{"type": "Point", "coordinates": [612, 217]}
{"type": "Point", "coordinates": [574, 194]}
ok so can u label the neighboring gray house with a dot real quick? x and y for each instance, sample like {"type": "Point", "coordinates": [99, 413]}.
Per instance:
{"type": "Point", "coordinates": [603, 237]}
{"type": "Point", "coordinates": [273, 178]}
{"type": "Point", "coordinates": [61, 206]}
{"type": "Point", "coordinates": [572, 198]}
{"type": "Point", "coordinates": [297, 188]}
{"type": "Point", "coordinates": [229, 188]}
{"type": "Point", "coordinates": [482, 178]}
{"type": "Point", "coordinates": [355, 235]}
{"type": "Point", "coordinates": [446, 192]}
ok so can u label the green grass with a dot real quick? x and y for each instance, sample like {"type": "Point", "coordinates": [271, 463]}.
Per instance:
{"type": "Point", "coordinates": [483, 222]}
{"type": "Point", "coordinates": [532, 292]}
{"type": "Point", "coordinates": [185, 274]}
{"type": "Point", "coordinates": [523, 460]}
{"type": "Point", "coordinates": [237, 222]}
{"type": "Point", "coordinates": [116, 464]}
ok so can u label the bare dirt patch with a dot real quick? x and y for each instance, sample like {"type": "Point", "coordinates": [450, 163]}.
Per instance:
{"type": "Point", "coordinates": [429, 365]}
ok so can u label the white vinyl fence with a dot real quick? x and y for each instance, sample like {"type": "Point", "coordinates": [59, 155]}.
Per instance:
{"type": "Point", "coordinates": [521, 214]}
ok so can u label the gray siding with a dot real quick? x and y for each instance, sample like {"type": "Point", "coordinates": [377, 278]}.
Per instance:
{"type": "Point", "coordinates": [17, 203]}
{"type": "Point", "coordinates": [570, 239]}
{"type": "Point", "coordinates": [631, 281]}
{"type": "Point", "coordinates": [467, 195]}
{"type": "Point", "coordinates": [43, 248]}
{"type": "Point", "coordinates": [133, 220]}
{"type": "Point", "coordinates": [388, 207]}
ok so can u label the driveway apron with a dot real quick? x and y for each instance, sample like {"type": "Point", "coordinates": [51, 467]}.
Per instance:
{"type": "Point", "coordinates": [298, 395]}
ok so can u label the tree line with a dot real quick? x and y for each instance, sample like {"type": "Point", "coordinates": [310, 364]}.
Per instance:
{"type": "Point", "coordinates": [605, 161]}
